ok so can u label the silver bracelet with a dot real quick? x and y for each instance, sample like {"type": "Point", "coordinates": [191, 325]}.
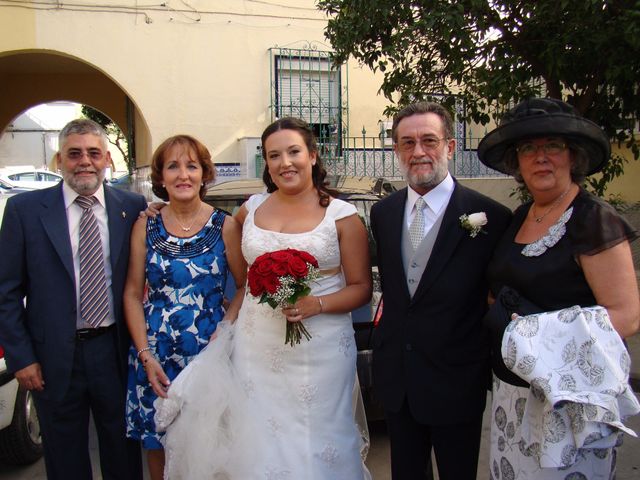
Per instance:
{"type": "Point", "coordinates": [321, 305]}
{"type": "Point", "coordinates": [142, 350]}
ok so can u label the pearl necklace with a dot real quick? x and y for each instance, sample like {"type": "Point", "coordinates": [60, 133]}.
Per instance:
{"type": "Point", "coordinates": [193, 220]}
{"type": "Point", "coordinates": [553, 205]}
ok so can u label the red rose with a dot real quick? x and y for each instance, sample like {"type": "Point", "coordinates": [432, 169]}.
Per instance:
{"type": "Point", "coordinates": [256, 286]}
{"type": "Point", "coordinates": [298, 267]}
{"type": "Point", "coordinates": [281, 256]}
{"type": "Point", "coordinates": [280, 268]}
{"type": "Point", "coordinates": [261, 258]}
{"type": "Point", "coordinates": [307, 257]}
{"type": "Point", "coordinates": [264, 268]}
{"type": "Point", "coordinates": [271, 284]}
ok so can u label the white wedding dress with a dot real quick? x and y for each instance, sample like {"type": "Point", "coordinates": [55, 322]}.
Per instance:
{"type": "Point", "coordinates": [273, 411]}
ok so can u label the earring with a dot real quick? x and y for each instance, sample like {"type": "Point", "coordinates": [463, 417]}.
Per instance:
{"type": "Point", "coordinates": [164, 186]}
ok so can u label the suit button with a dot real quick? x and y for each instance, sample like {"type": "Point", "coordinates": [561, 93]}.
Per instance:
{"type": "Point", "coordinates": [407, 347]}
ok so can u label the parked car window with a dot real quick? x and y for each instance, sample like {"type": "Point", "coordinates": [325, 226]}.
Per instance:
{"type": "Point", "coordinates": [49, 177]}
{"type": "Point", "coordinates": [29, 177]}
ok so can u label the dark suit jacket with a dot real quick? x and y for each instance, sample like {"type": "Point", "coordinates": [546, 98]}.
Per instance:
{"type": "Point", "coordinates": [36, 262]}
{"type": "Point", "coordinates": [432, 348]}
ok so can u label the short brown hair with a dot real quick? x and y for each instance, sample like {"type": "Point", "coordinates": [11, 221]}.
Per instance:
{"type": "Point", "coordinates": [420, 108]}
{"type": "Point", "coordinates": [158, 159]}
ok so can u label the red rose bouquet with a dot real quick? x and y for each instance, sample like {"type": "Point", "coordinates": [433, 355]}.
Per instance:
{"type": "Point", "coordinates": [280, 278]}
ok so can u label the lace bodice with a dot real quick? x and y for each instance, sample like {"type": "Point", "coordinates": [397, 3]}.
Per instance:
{"type": "Point", "coordinates": [321, 242]}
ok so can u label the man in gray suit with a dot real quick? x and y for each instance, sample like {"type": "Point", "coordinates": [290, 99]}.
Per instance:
{"type": "Point", "coordinates": [65, 253]}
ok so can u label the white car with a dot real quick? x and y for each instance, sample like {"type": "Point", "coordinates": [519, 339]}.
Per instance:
{"type": "Point", "coordinates": [34, 178]}
{"type": "Point", "coordinates": [20, 440]}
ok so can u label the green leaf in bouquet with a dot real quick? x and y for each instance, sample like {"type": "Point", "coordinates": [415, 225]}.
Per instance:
{"type": "Point", "coordinates": [266, 299]}
{"type": "Point", "coordinates": [300, 291]}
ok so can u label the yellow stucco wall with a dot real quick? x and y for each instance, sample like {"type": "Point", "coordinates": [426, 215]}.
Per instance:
{"type": "Point", "coordinates": [12, 37]}
{"type": "Point", "coordinates": [204, 72]}
{"type": "Point", "coordinates": [197, 67]}
{"type": "Point", "coordinates": [627, 185]}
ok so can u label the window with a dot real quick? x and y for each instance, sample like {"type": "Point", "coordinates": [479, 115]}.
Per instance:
{"type": "Point", "coordinates": [305, 84]}
{"type": "Point", "coordinates": [31, 176]}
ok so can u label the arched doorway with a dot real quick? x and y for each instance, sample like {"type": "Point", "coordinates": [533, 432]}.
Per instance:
{"type": "Point", "coordinates": [33, 77]}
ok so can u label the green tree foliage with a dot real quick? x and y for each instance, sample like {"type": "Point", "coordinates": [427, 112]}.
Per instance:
{"type": "Point", "coordinates": [116, 136]}
{"type": "Point", "coordinates": [492, 53]}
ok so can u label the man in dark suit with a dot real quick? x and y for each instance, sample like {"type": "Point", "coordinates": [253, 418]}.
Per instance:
{"type": "Point", "coordinates": [430, 350]}
{"type": "Point", "coordinates": [61, 322]}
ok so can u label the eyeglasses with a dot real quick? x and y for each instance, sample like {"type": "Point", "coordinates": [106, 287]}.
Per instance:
{"type": "Point", "coordinates": [78, 154]}
{"type": "Point", "coordinates": [426, 143]}
{"type": "Point", "coordinates": [529, 150]}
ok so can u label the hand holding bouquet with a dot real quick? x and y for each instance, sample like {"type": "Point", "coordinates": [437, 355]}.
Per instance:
{"type": "Point", "coordinates": [280, 278]}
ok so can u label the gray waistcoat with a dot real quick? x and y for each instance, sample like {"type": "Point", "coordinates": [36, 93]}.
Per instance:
{"type": "Point", "coordinates": [415, 261]}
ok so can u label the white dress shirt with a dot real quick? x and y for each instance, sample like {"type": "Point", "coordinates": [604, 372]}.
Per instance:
{"type": "Point", "coordinates": [436, 201]}
{"type": "Point", "coordinates": [74, 212]}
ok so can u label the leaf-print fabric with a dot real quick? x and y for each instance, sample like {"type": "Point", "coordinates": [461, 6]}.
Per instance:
{"type": "Point", "coordinates": [572, 403]}
{"type": "Point", "coordinates": [186, 280]}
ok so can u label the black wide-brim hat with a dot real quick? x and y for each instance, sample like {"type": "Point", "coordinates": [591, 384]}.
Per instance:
{"type": "Point", "coordinates": [542, 117]}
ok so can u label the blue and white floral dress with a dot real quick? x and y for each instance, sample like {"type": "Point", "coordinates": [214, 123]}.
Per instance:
{"type": "Point", "coordinates": [186, 280]}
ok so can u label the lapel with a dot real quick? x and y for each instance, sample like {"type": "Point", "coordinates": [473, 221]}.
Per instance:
{"type": "Point", "coordinates": [447, 240]}
{"type": "Point", "coordinates": [53, 216]}
{"type": "Point", "coordinates": [395, 227]}
{"type": "Point", "coordinates": [117, 222]}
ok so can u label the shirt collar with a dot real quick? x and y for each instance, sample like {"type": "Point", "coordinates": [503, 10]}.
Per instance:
{"type": "Point", "coordinates": [437, 198]}
{"type": "Point", "coordinates": [70, 195]}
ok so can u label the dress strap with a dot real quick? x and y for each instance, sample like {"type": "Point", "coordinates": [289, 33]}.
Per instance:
{"type": "Point", "coordinates": [339, 209]}
{"type": "Point", "coordinates": [256, 200]}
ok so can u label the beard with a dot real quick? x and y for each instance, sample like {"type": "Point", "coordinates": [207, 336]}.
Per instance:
{"type": "Point", "coordinates": [428, 180]}
{"type": "Point", "coordinates": [83, 186]}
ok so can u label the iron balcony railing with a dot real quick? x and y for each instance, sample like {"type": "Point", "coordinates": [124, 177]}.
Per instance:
{"type": "Point", "coordinates": [373, 157]}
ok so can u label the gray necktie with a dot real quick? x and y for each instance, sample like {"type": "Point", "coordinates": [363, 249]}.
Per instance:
{"type": "Point", "coordinates": [94, 302]}
{"type": "Point", "coordinates": [416, 230]}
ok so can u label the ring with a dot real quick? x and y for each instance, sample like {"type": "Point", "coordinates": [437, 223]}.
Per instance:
{"type": "Point", "coordinates": [296, 311]}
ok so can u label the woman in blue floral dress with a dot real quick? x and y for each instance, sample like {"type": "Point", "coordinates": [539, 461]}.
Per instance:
{"type": "Point", "coordinates": [180, 259]}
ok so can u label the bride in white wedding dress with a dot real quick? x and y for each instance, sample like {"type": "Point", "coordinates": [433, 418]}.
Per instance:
{"type": "Point", "coordinates": [275, 411]}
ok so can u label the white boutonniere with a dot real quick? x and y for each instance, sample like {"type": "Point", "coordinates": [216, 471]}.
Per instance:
{"type": "Point", "coordinates": [473, 223]}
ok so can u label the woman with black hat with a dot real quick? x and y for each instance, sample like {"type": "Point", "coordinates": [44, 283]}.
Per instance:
{"type": "Point", "coordinates": [564, 248]}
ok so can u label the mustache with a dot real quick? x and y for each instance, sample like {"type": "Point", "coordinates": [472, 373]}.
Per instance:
{"type": "Point", "coordinates": [424, 161]}
{"type": "Point", "coordinates": [84, 170]}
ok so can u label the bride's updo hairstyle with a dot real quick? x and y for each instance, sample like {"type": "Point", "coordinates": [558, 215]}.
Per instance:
{"type": "Point", "coordinates": [318, 173]}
